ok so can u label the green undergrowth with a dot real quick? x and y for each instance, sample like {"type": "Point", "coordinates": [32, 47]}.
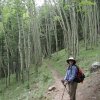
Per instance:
{"type": "Point", "coordinates": [84, 60]}
{"type": "Point", "coordinates": [19, 91]}
{"type": "Point", "coordinates": [39, 85]}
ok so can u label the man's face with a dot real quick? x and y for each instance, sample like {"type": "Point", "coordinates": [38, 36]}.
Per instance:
{"type": "Point", "coordinates": [71, 62]}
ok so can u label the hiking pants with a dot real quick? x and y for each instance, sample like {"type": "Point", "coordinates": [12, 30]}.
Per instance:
{"type": "Point", "coordinates": [72, 90]}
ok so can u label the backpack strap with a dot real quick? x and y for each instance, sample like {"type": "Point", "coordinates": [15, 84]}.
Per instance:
{"type": "Point", "coordinates": [77, 68]}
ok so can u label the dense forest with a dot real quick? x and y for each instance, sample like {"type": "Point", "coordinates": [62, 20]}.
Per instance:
{"type": "Point", "coordinates": [31, 33]}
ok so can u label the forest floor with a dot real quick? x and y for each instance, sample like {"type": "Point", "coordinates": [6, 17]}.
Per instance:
{"type": "Point", "coordinates": [50, 74]}
{"type": "Point", "coordinates": [88, 90]}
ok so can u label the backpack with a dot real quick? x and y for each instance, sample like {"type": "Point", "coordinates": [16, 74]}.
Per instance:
{"type": "Point", "coordinates": [80, 76]}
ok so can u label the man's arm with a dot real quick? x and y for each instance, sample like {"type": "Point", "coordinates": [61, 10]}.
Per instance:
{"type": "Point", "coordinates": [64, 81]}
{"type": "Point", "coordinates": [65, 78]}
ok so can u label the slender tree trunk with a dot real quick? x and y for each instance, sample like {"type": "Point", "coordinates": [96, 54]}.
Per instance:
{"type": "Point", "coordinates": [8, 61]}
{"type": "Point", "coordinates": [20, 49]}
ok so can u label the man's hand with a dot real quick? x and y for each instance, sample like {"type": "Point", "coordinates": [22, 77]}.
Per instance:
{"type": "Point", "coordinates": [64, 82]}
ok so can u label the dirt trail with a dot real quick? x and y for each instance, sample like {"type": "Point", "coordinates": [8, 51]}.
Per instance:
{"type": "Point", "coordinates": [57, 94]}
{"type": "Point", "coordinates": [89, 90]}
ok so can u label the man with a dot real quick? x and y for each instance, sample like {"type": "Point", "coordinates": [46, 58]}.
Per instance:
{"type": "Point", "coordinates": [70, 77]}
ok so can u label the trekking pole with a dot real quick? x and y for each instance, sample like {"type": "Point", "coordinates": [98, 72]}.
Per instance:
{"type": "Point", "coordinates": [67, 90]}
{"type": "Point", "coordinates": [63, 93]}
{"type": "Point", "coordinates": [64, 89]}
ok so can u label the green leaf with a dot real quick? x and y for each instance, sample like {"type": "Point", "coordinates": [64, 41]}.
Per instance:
{"type": "Point", "coordinates": [57, 18]}
{"type": "Point", "coordinates": [86, 3]}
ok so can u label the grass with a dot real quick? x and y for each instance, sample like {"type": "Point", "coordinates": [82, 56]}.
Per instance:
{"type": "Point", "coordinates": [84, 60]}
{"type": "Point", "coordinates": [38, 86]}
